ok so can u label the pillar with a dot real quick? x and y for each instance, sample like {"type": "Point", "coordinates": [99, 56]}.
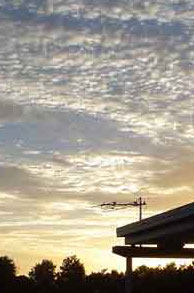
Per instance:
{"type": "Point", "coordinates": [128, 275]}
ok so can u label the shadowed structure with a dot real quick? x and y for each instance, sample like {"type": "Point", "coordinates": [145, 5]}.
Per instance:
{"type": "Point", "coordinates": [169, 232]}
{"type": "Point", "coordinates": [171, 229]}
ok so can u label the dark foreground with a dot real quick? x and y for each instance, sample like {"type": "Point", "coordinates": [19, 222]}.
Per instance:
{"type": "Point", "coordinates": [71, 278]}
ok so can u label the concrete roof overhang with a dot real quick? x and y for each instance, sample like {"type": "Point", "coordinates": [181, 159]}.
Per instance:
{"type": "Point", "coordinates": [174, 226]}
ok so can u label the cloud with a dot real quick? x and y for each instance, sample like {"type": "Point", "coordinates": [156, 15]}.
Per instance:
{"type": "Point", "coordinates": [96, 102]}
{"type": "Point", "coordinates": [19, 178]}
{"type": "Point", "coordinates": [10, 112]}
{"type": "Point", "coordinates": [177, 176]}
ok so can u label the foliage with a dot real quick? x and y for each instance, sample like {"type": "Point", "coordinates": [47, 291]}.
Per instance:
{"type": "Point", "coordinates": [106, 282]}
{"type": "Point", "coordinates": [7, 268]}
{"type": "Point", "coordinates": [44, 275]}
{"type": "Point", "coordinates": [7, 274]}
{"type": "Point", "coordinates": [43, 272]}
{"type": "Point", "coordinates": [71, 278]}
{"type": "Point", "coordinates": [71, 275]}
{"type": "Point", "coordinates": [71, 270]}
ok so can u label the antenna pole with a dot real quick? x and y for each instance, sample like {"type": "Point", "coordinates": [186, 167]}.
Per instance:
{"type": "Point", "coordinates": [140, 208]}
{"type": "Point", "coordinates": [137, 203]}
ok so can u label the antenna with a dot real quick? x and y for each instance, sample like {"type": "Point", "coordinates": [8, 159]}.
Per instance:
{"type": "Point", "coordinates": [116, 205]}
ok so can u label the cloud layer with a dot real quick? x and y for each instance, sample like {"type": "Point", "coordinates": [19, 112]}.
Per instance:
{"type": "Point", "coordinates": [96, 102]}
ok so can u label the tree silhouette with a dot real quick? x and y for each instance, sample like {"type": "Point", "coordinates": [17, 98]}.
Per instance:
{"type": "Point", "coordinates": [7, 267]}
{"type": "Point", "coordinates": [71, 278]}
{"type": "Point", "coordinates": [71, 275]}
{"type": "Point", "coordinates": [24, 284]}
{"type": "Point", "coordinates": [72, 269]}
{"type": "Point", "coordinates": [44, 275]}
{"type": "Point", "coordinates": [106, 282]}
{"type": "Point", "coordinates": [7, 273]}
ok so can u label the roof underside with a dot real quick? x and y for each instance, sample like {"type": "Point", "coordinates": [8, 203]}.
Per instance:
{"type": "Point", "coordinates": [174, 225]}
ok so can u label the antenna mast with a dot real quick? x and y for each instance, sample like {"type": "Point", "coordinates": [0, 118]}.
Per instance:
{"type": "Point", "coordinates": [115, 205]}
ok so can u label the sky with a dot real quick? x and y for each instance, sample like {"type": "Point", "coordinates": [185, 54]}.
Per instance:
{"type": "Point", "coordinates": [96, 105]}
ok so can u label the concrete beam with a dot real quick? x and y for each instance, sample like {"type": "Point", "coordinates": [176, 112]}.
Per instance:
{"type": "Point", "coordinates": [152, 252]}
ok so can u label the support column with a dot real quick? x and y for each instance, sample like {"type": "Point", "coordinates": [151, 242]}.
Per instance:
{"type": "Point", "coordinates": [128, 275]}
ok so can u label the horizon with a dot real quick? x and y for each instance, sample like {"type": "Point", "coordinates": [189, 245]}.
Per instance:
{"type": "Point", "coordinates": [96, 106]}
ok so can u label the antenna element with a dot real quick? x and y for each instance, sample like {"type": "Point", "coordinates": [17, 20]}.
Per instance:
{"type": "Point", "coordinates": [115, 205]}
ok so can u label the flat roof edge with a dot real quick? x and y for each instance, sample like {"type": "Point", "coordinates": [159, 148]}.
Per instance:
{"type": "Point", "coordinates": [155, 221]}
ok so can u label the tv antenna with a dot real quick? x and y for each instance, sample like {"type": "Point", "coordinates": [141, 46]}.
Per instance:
{"type": "Point", "coordinates": [139, 202]}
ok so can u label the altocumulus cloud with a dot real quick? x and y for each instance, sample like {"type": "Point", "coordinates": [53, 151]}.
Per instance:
{"type": "Point", "coordinates": [96, 101]}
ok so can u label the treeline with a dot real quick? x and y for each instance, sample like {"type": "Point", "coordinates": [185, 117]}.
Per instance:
{"type": "Point", "coordinates": [71, 278]}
